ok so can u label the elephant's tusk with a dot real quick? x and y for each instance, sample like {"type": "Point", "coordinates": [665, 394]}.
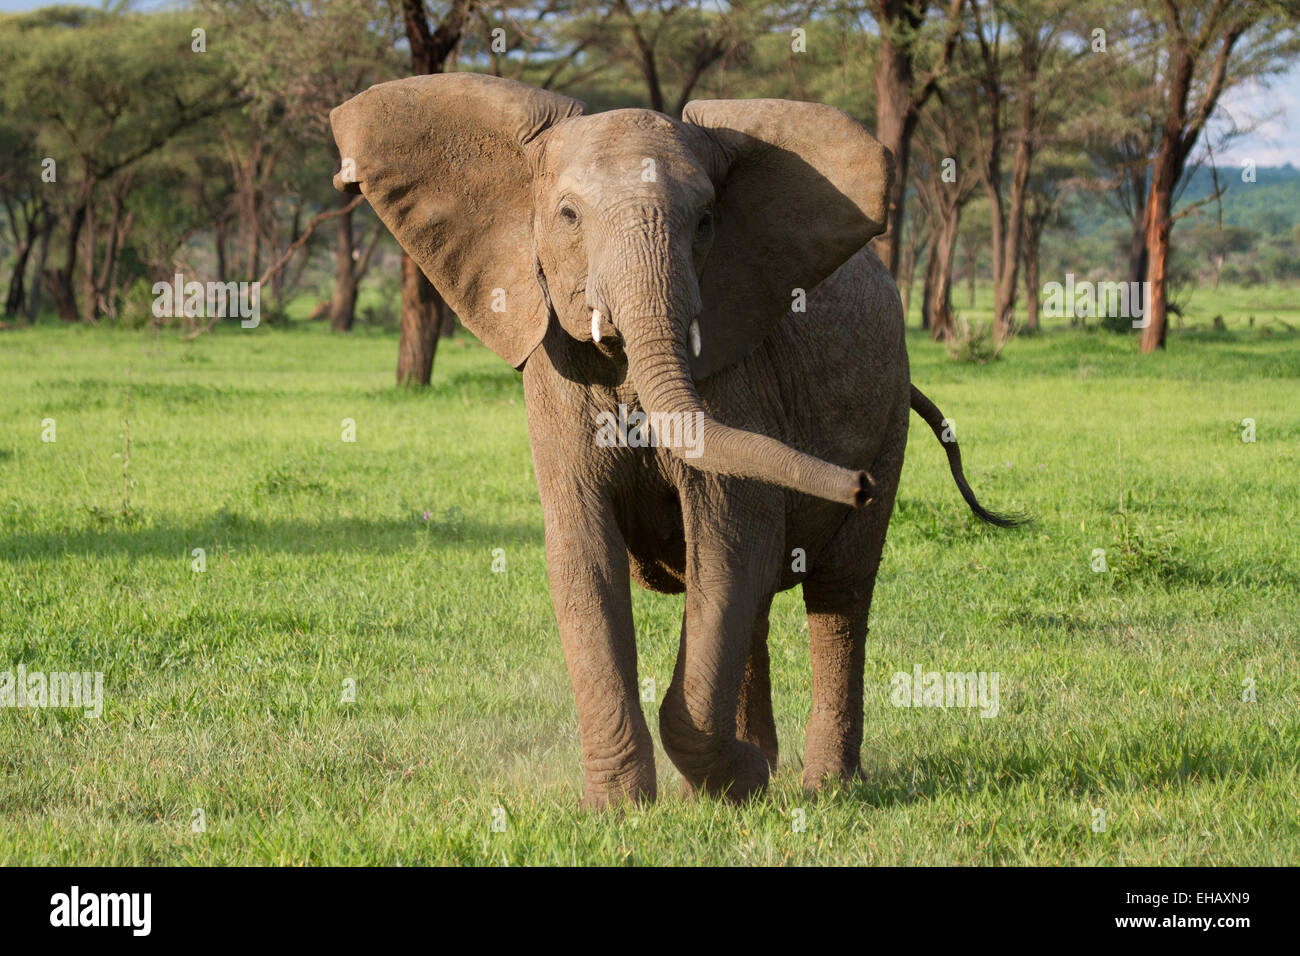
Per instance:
{"type": "Point", "coordinates": [695, 337]}
{"type": "Point", "coordinates": [595, 326]}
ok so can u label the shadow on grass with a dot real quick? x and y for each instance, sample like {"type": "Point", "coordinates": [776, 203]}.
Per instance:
{"type": "Point", "coordinates": [226, 530]}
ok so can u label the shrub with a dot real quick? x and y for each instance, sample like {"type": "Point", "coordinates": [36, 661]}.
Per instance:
{"type": "Point", "coordinates": [972, 343]}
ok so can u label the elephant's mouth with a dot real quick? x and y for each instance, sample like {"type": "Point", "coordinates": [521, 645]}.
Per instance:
{"type": "Point", "coordinates": [658, 370]}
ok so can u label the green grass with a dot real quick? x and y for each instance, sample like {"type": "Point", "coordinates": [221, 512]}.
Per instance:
{"type": "Point", "coordinates": [1267, 309]}
{"type": "Point", "coordinates": [1119, 690]}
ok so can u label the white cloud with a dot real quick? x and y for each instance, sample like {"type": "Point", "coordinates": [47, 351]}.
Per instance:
{"type": "Point", "coordinates": [1273, 110]}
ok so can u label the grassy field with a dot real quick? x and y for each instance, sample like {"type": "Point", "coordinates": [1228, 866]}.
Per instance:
{"type": "Point", "coordinates": [1273, 308]}
{"type": "Point", "coordinates": [371, 562]}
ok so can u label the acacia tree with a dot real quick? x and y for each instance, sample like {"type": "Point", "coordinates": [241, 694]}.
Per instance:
{"type": "Point", "coordinates": [1015, 69]}
{"type": "Point", "coordinates": [174, 196]}
{"type": "Point", "coordinates": [675, 41]}
{"type": "Point", "coordinates": [973, 239]}
{"type": "Point", "coordinates": [108, 90]}
{"type": "Point", "coordinates": [1216, 242]}
{"type": "Point", "coordinates": [550, 45]}
{"type": "Point", "coordinates": [295, 61]}
{"type": "Point", "coordinates": [946, 181]}
{"type": "Point", "coordinates": [1207, 46]}
{"type": "Point", "coordinates": [1056, 177]}
{"type": "Point", "coordinates": [901, 93]}
{"type": "Point", "coordinates": [27, 211]}
{"type": "Point", "coordinates": [917, 231]}
{"type": "Point", "coordinates": [1120, 131]}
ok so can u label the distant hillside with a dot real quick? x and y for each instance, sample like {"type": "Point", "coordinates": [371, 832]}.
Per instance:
{"type": "Point", "coordinates": [1270, 206]}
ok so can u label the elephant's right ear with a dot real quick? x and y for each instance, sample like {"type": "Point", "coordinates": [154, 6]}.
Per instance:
{"type": "Point", "coordinates": [441, 160]}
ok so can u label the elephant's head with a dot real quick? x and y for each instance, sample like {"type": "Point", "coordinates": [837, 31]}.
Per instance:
{"type": "Point", "coordinates": [677, 244]}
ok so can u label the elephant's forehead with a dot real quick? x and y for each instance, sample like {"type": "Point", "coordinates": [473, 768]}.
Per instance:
{"type": "Point", "coordinates": [637, 146]}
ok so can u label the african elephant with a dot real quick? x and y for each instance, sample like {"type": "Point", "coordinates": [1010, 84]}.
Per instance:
{"type": "Point", "coordinates": [711, 275]}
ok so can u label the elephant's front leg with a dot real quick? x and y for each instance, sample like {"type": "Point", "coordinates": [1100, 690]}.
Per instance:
{"type": "Point", "coordinates": [733, 534]}
{"type": "Point", "coordinates": [754, 720]}
{"type": "Point", "coordinates": [587, 563]}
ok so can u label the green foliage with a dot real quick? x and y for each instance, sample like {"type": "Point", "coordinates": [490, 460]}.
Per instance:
{"type": "Point", "coordinates": [972, 342]}
{"type": "Point", "coordinates": [108, 88]}
{"type": "Point", "coordinates": [137, 305]}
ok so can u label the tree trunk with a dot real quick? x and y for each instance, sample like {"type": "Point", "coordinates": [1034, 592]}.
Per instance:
{"type": "Point", "coordinates": [1165, 172]}
{"type": "Point", "coordinates": [896, 119]}
{"type": "Point", "coordinates": [1157, 217]}
{"type": "Point", "coordinates": [927, 286]}
{"type": "Point", "coordinates": [34, 300]}
{"type": "Point", "coordinates": [87, 302]}
{"type": "Point", "coordinates": [343, 304]}
{"type": "Point", "coordinates": [253, 231]}
{"type": "Point", "coordinates": [105, 285]}
{"type": "Point", "coordinates": [59, 282]}
{"type": "Point", "coordinates": [899, 99]}
{"type": "Point", "coordinates": [219, 241]}
{"type": "Point", "coordinates": [1033, 236]}
{"type": "Point", "coordinates": [941, 319]}
{"type": "Point", "coordinates": [650, 73]}
{"type": "Point", "coordinates": [907, 277]}
{"type": "Point", "coordinates": [17, 296]}
{"type": "Point", "coordinates": [1178, 135]}
{"type": "Point", "coordinates": [111, 295]}
{"type": "Point", "coordinates": [972, 255]}
{"type": "Point", "coordinates": [1005, 297]}
{"type": "Point", "coordinates": [420, 322]}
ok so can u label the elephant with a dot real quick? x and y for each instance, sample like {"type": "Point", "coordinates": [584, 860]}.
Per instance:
{"type": "Point", "coordinates": [715, 379]}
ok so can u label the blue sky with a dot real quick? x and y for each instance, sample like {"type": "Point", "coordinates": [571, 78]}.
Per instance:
{"type": "Point", "coordinates": [1273, 111]}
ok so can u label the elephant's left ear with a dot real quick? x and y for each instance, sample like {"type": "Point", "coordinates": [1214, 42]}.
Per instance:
{"type": "Point", "coordinates": [801, 187]}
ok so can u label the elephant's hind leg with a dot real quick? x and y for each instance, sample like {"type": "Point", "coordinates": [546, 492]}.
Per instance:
{"type": "Point", "coordinates": [837, 631]}
{"type": "Point", "coordinates": [754, 721]}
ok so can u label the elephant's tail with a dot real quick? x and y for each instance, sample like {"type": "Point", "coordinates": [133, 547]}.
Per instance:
{"type": "Point", "coordinates": [929, 411]}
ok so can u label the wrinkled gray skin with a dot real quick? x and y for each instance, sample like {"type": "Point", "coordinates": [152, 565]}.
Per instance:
{"type": "Point", "coordinates": [528, 216]}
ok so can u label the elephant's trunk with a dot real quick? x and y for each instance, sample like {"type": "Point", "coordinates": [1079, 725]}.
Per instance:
{"type": "Point", "coordinates": [657, 368]}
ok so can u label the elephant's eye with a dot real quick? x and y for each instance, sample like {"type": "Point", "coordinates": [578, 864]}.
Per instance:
{"type": "Point", "coordinates": [704, 228]}
{"type": "Point", "coordinates": [569, 214]}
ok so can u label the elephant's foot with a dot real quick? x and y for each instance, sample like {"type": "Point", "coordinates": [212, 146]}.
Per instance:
{"type": "Point", "coordinates": [755, 726]}
{"type": "Point", "coordinates": [735, 772]}
{"type": "Point", "coordinates": [754, 721]}
{"type": "Point", "coordinates": [831, 755]}
{"type": "Point", "coordinates": [606, 790]}
{"type": "Point", "coordinates": [816, 777]}
{"type": "Point", "coordinates": [766, 745]}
